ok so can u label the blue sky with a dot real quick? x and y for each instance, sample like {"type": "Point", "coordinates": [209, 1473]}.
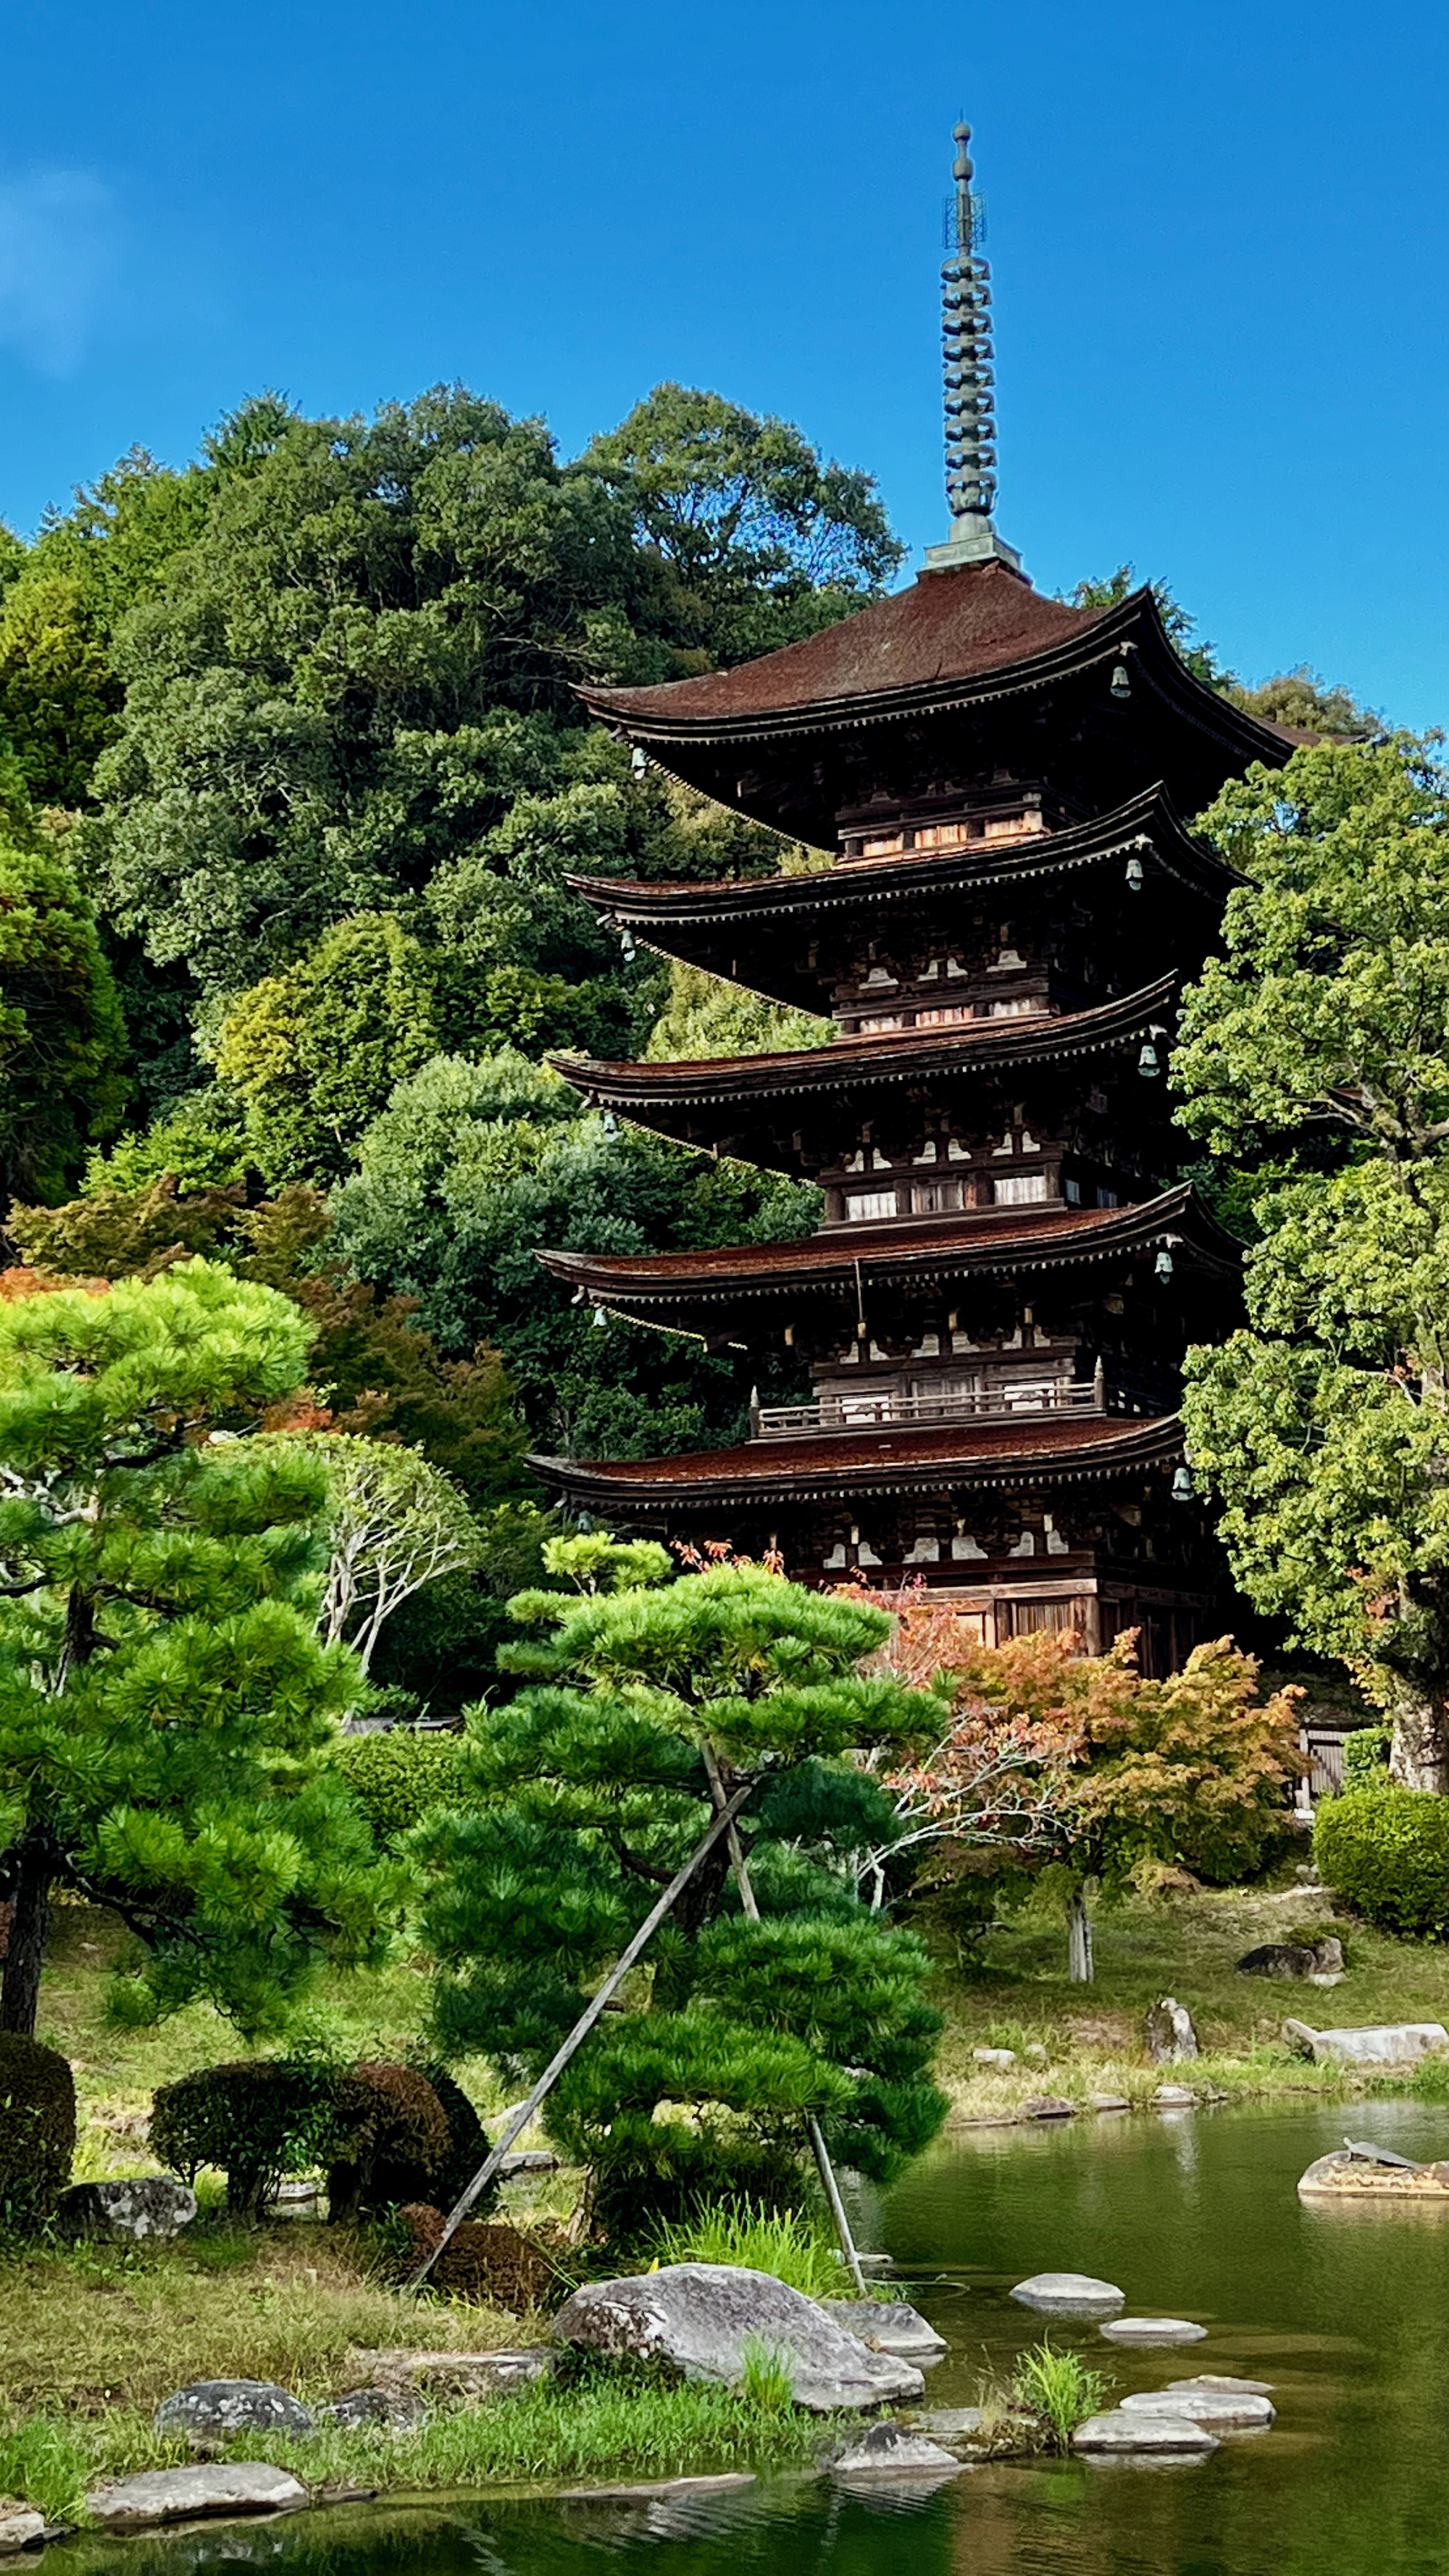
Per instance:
{"type": "Point", "coordinates": [1218, 231]}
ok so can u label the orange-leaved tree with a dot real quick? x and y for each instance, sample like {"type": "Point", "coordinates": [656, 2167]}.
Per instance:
{"type": "Point", "coordinates": [1082, 1763]}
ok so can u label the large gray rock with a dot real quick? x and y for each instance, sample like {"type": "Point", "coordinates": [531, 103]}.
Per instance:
{"type": "Point", "coordinates": [212, 2411]}
{"type": "Point", "coordinates": [888, 2325]}
{"type": "Point", "coordinates": [702, 2319]}
{"type": "Point", "coordinates": [20, 2526]}
{"type": "Point", "coordinates": [1280, 1959]}
{"type": "Point", "coordinates": [1170, 2036]}
{"type": "Point", "coordinates": [180, 2495]}
{"type": "Point", "coordinates": [1174, 2097]}
{"type": "Point", "coordinates": [131, 2207]}
{"type": "Point", "coordinates": [1068, 2294]}
{"type": "Point", "coordinates": [1150, 2331]}
{"type": "Point", "coordinates": [1378, 2044]}
{"type": "Point", "coordinates": [1215, 2407]}
{"type": "Point", "coordinates": [1147, 2433]}
{"type": "Point", "coordinates": [889, 2451]}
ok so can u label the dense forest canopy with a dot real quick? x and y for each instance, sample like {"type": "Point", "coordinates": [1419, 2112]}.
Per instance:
{"type": "Point", "coordinates": [292, 771]}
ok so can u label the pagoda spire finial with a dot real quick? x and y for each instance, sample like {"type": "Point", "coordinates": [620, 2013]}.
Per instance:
{"type": "Point", "coordinates": [969, 378]}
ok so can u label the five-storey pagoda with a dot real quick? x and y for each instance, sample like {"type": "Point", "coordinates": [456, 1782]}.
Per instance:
{"type": "Point", "coordinates": [996, 1306]}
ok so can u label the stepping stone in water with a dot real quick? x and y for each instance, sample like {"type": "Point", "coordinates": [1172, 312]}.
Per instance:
{"type": "Point", "coordinates": [887, 2450]}
{"type": "Point", "coordinates": [1108, 2102]}
{"type": "Point", "coordinates": [1147, 2331]}
{"type": "Point", "coordinates": [1214, 2406]}
{"type": "Point", "coordinates": [1068, 2294]}
{"type": "Point", "coordinates": [1175, 2097]}
{"type": "Point", "coordinates": [1159, 2433]}
{"type": "Point", "coordinates": [1226, 2387]}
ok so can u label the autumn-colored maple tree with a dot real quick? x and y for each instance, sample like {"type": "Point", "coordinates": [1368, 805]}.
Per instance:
{"type": "Point", "coordinates": [1084, 1764]}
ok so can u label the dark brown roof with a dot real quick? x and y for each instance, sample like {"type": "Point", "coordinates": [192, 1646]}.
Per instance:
{"type": "Point", "coordinates": [948, 625]}
{"type": "Point", "coordinates": [1004, 1240]}
{"type": "Point", "coordinates": [979, 669]}
{"type": "Point", "coordinates": [751, 930]}
{"type": "Point", "coordinates": [1026, 1451]}
{"type": "Point", "coordinates": [907, 1055]}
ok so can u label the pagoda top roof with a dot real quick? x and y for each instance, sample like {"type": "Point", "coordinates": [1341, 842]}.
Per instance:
{"type": "Point", "coordinates": [965, 636]}
{"type": "Point", "coordinates": [1006, 1241]}
{"type": "Point", "coordinates": [954, 625]}
{"type": "Point", "coordinates": [987, 1456]}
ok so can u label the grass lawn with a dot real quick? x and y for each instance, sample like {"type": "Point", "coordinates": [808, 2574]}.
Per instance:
{"type": "Point", "coordinates": [1089, 2039]}
{"type": "Point", "coordinates": [92, 2337]}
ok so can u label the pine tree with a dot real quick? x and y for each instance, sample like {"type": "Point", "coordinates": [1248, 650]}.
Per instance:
{"type": "Point", "coordinates": [650, 1699]}
{"type": "Point", "coordinates": [166, 1712]}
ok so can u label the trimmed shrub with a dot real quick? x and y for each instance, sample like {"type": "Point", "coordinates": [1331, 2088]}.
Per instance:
{"type": "Point", "coordinates": [255, 2119]}
{"type": "Point", "coordinates": [397, 1777]}
{"type": "Point", "coordinates": [1386, 1853]}
{"type": "Point", "coordinates": [490, 2261]}
{"type": "Point", "coordinates": [37, 2128]}
{"type": "Point", "coordinates": [391, 2139]}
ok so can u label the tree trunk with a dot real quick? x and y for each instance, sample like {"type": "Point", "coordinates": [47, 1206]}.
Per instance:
{"type": "Point", "coordinates": [33, 1865]}
{"type": "Point", "coordinates": [1080, 1967]}
{"type": "Point", "coordinates": [1419, 1751]}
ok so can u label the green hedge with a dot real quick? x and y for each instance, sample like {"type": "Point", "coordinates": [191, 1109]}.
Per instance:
{"type": "Point", "coordinates": [396, 1777]}
{"type": "Point", "coordinates": [1385, 1851]}
{"type": "Point", "coordinates": [37, 2128]}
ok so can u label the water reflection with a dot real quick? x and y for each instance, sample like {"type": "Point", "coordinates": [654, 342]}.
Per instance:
{"type": "Point", "coordinates": [1345, 2311]}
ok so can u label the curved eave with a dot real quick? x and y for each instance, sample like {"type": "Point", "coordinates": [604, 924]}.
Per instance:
{"type": "Point", "coordinates": [646, 1091]}
{"type": "Point", "coordinates": [665, 718]}
{"type": "Point", "coordinates": [1146, 823]}
{"type": "Point", "coordinates": [1027, 1455]}
{"type": "Point", "coordinates": [649, 1289]}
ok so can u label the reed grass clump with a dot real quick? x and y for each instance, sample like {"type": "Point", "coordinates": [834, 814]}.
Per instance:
{"type": "Point", "coordinates": [1060, 2388]}
{"type": "Point", "coordinates": [790, 2243]}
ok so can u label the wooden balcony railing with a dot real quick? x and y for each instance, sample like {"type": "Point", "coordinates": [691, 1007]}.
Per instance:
{"type": "Point", "coordinates": [866, 1412]}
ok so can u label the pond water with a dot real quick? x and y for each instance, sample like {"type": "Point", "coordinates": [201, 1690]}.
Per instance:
{"type": "Point", "coordinates": [1193, 2214]}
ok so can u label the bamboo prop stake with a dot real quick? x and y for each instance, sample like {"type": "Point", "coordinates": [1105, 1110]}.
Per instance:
{"type": "Point", "coordinates": [813, 2130]}
{"type": "Point", "coordinates": [723, 1822]}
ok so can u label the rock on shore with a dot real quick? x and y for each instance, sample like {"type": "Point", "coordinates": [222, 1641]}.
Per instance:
{"type": "Point", "coordinates": [182, 2495]}
{"type": "Point", "coordinates": [701, 2319]}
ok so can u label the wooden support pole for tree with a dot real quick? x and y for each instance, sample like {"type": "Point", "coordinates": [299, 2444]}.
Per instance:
{"type": "Point", "coordinates": [813, 2130]}
{"type": "Point", "coordinates": [723, 1822]}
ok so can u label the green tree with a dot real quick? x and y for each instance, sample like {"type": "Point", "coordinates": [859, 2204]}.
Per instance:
{"type": "Point", "coordinates": [762, 540]}
{"type": "Point", "coordinates": [166, 1712]}
{"type": "Point", "coordinates": [58, 698]}
{"type": "Point", "coordinates": [315, 1052]}
{"type": "Point", "coordinates": [361, 658]}
{"type": "Point", "coordinates": [62, 1039]}
{"type": "Point", "coordinates": [646, 1700]}
{"type": "Point", "coordinates": [373, 1369]}
{"type": "Point", "coordinates": [394, 1525]}
{"type": "Point", "coordinates": [472, 1166]}
{"type": "Point", "coordinates": [705, 1016]}
{"type": "Point", "coordinates": [1314, 1052]}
